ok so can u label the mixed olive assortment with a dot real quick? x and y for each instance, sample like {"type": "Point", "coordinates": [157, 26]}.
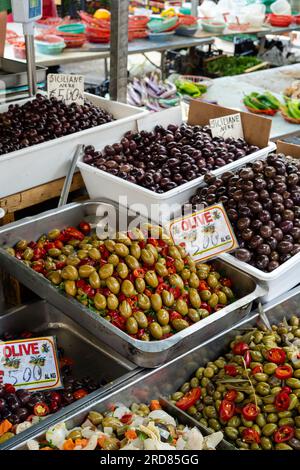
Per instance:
{"type": "Point", "coordinates": [44, 119]}
{"type": "Point", "coordinates": [263, 204]}
{"type": "Point", "coordinates": [167, 158]}
{"type": "Point", "coordinates": [252, 393]}
{"type": "Point", "coordinates": [21, 409]}
{"type": "Point", "coordinates": [140, 282]}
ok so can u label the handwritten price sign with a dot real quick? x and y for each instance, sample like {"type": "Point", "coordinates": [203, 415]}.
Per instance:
{"type": "Point", "coordinates": [30, 364]}
{"type": "Point", "coordinates": [205, 234]}
{"type": "Point", "coordinates": [227, 126]}
{"type": "Point", "coordinates": [69, 88]}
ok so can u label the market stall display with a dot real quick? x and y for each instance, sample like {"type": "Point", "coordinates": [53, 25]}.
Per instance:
{"type": "Point", "coordinates": [225, 66]}
{"type": "Point", "coordinates": [144, 353]}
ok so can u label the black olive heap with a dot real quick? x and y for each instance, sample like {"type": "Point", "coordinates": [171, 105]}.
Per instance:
{"type": "Point", "coordinates": [262, 201]}
{"type": "Point", "coordinates": [44, 119]}
{"type": "Point", "coordinates": [167, 158]}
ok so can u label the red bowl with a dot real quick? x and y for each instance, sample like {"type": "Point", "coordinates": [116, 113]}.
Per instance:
{"type": "Point", "coordinates": [280, 21]}
{"type": "Point", "coordinates": [297, 19]}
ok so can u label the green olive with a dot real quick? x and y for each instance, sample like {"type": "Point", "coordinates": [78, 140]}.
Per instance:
{"type": "Point", "coordinates": [141, 319]}
{"type": "Point", "coordinates": [205, 295]}
{"type": "Point", "coordinates": [163, 317]}
{"type": "Point", "coordinates": [114, 260]}
{"type": "Point", "coordinates": [94, 280]}
{"type": "Point", "coordinates": [112, 302]}
{"type": "Point", "coordinates": [203, 313]}
{"type": "Point", "coordinates": [132, 326]}
{"type": "Point", "coordinates": [73, 260]}
{"type": "Point", "coordinates": [156, 302]}
{"type": "Point", "coordinates": [180, 324]}
{"type": "Point", "coordinates": [222, 298]}
{"type": "Point", "coordinates": [260, 377]}
{"type": "Point", "coordinates": [82, 254]}
{"type": "Point", "coordinates": [228, 292]}
{"type": "Point", "coordinates": [161, 269]}
{"type": "Point", "coordinates": [293, 383]}
{"type": "Point", "coordinates": [106, 271]}
{"type": "Point", "coordinates": [166, 329]}
{"type": "Point", "coordinates": [69, 273]}
{"type": "Point", "coordinates": [55, 278]}
{"type": "Point", "coordinates": [272, 418]}
{"type": "Point", "coordinates": [125, 309]}
{"type": "Point", "coordinates": [6, 437]}
{"type": "Point", "coordinates": [132, 262]}
{"type": "Point", "coordinates": [185, 274]}
{"type": "Point", "coordinates": [194, 315]}
{"type": "Point", "coordinates": [70, 288]}
{"type": "Point", "coordinates": [28, 254]}
{"type": "Point", "coordinates": [155, 330]}
{"type": "Point", "coordinates": [203, 271]}
{"type": "Point", "coordinates": [293, 401]}
{"type": "Point", "coordinates": [174, 252]}
{"type": "Point", "coordinates": [269, 429]}
{"type": "Point", "coordinates": [53, 234]}
{"type": "Point", "coordinates": [140, 285]}
{"type": "Point", "coordinates": [283, 446]}
{"type": "Point", "coordinates": [214, 424]}
{"type": "Point", "coordinates": [213, 301]}
{"type": "Point", "coordinates": [209, 372]}
{"type": "Point", "coordinates": [177, 395]}
{"type": "Point", "coordinates": [194, 298]}
{"type": "Point", "coordinates": [111, 422]}
{"type": "Point", "coordinates": [269, 368]}
{"type": "Point", "coordinates": [147, 257]}
{"type": "Point", "coordinates": [152, 250]}
{"type": "Point", "coordinates": [113, 285]}
{"type": "Point", "coordinates": [194, 280]}
{"type": "Point", "coordinates": [135, 250]}
{"type": "Point", "coordinates": [266, 443]}
{"type": "Point", "coordinates": [176, 281]}
{"type": "Point", "coordinates": [76, 434]}
{"type": "Point", "coordinates": [127, 288]}
{"type": "Point", "coordinates": [212, 281]}
{"type": "Point", "coordinates": [179, 265]}
{"type": "Point", "coordinates": [100, 302]}
{"type": "Point", "coordinates": [181, 307]}
{"type": "Point", "coordinates": [86, 270]}
{"type": "Point", "coordinates": [151, 279]}
{"type": "Point", "coordinates": [122, 270]}
{"type": "Point", "coordinates": [94, 254]}
{"type": "Point", "coordinates": [231, 432]}
{"type": "Point", "coordinates": [144, 302]}
{"type": "Point", "coordinates": [167, 298]}
{"type": "Point", "coordinates": [54, 252]}
{"type": "Point", "coordinates": [121, 250]}
{"type": "Point", "coordinates": [260, 420]}
{"type": "Point", "coordinates": [286, 422]}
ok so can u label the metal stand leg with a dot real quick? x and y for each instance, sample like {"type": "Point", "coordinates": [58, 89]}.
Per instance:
{"type": "Point", "coordinates": [119, 50]}
{"type": "Point", "coordinates": [194, 9]}
{"type": "Point", "coordinates": [31, 69]}
{"type": "Point", "coordinates": [163, 64]}
{"type": "Point", "coordinates": [106, 69]}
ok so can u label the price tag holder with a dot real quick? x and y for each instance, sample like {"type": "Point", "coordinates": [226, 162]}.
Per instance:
{"type": "Point", "coordinates": [30, 364]}
{"type": "Point", "coordinates": [227, 126]}
{"type": "Point", "coordinates": [69, 88]}
{"type": "Point", "coordinates": [204, 234]}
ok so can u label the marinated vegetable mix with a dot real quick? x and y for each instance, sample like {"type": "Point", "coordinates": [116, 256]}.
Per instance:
{"type": "Point", "coordinates": [145, 286]}
{"type": "Point", "coordinates": [255, 402]}
{"type": "Point", "coordinates": [139, 427]}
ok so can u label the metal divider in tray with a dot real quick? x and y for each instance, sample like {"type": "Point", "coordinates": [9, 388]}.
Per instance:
{"type": "Point", "coordinates": [101, 184]}
{"type": "Point", "coordinates": [166, 380]}
{"type": "Point", "coordinates": [91, 357]}
{"type": "Point", "coordinates": [143, 353]}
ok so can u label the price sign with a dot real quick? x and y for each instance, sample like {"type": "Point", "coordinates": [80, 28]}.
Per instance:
{"type": "Point", "coordinates": [227, 126]}
{"type": "Point", "coordinates": [30, 364]}
{"type": "Point", "coordinates": [69, 88]}
{"type": "Point", "coordinates": [204, 234]}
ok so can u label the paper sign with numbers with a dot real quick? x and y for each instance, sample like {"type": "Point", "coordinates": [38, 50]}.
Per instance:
{"type": "Point", "coordinates": [204, 234]}
{"type": "Point", "coordinates": [30, 364]}
{"type": "Point", "coordinates": [69, 88]}
{"type": "Point", "coordinates": [227, 126]}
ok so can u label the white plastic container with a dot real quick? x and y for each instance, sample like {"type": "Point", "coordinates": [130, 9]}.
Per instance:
{"type": "Point", "coordinates": [42, 163]}
{"type": "Point", "coordinates": [158, 207]}
{"type": "Point", "coordinates": [279, 281]}
{"type": "Point", "coordinates": [281, 7]}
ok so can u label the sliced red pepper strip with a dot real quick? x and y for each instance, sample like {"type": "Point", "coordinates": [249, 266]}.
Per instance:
{"type": "Point", "coordinates": [226, 410]}
{"type": "Point", "coordinates": [189, 399]}
{"type": "Point", "coordinates": [276, 355]}
{"type": "Point", "coordinates": [247, 358]}
{"type": "Point", "coordinates": [240, 348]}
{"type": "Point", "coordinates": [231, 370]}
{"type": "Point", "coordinates": [282, 401]}
{"type": "Point", "coordinates": [231, 395]}
{"type": "Point", "coordinates": [283, 434]}
{"type": "Point", "coordinates": [250, 411]}
{"type": "Point", "coordinates": [250, 435]}
{"type": "Point", "coordinates": [72, 232]}
{"type": "Point", "coordinates": [284, 372]}
{"type": "Point", "coordinates": [257, 370]}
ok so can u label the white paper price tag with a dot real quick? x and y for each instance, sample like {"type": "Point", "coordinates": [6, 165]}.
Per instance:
{"type": "Point", "coordinates": [204, 234]}
{"type": "Point", "coordinates": [30, 364]}
{"type": "Point", "coordinates": [69, 88]}
{"type": "Point", "coordinates": [227, 126]}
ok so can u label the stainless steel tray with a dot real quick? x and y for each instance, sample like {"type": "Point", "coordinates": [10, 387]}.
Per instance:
{"type": "Point", "coordinates": [90, 356]}
{"type": "Point", "coordinates": [14, 73]}
{"type": "Point", "coordinates": [168, 378]}
{"type": "Point", "coordinates": [144, 354]}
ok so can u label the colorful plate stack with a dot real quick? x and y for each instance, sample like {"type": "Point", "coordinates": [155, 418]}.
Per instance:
{"type": "Point", "coordinates": [73, 34]}
{"type": "Point", "coordinates": [188, 25]}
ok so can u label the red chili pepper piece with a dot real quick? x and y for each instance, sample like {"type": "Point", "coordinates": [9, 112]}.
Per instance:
{"type": "Point", "coordinates": [126, 419]}
{"type": "Point", "coordinates": [286, 389]}
{"type": "Point", "coordinates": [72, 232]}
{"type": "Point", "coordinates": [203, 286]}
{"type": "Point", "coordinates": [284, 372]}
{"type": "Point", "coordinates": [250, 435]}
{"type": "Point", "coordinates": [84, 227]}
{"type": "Point", "coordinates": [206, 307]}
{"type": "Point", "coordinates": [257, 370]}
{"type": "Point", "coordinates": [39, 253]}
{"type": "Point", "coordinates": [231, 395]}
{"type": "Point", "coordinates": [153, 241]}
{"type": "Point", "coordinates": [139, 273]}
{"type": "Point", "coordinates": [282, 401]}
{"type": "Point", "coordinates": [41, 409]}
{"type": "Point", "coordinates": [231, 370]}
{"type": "Point", "coordinates": [189, 399]}
{"type": "Point", "coordinates": [240, 348]}
{"type": "Point", "coordinates": [283, 434]}
{"type": "Point", "coordinates": [250, 411]}
{"type": "Point", "coordinates": [277, 355]}
{"type": "Point", "coordinates": [226, 410]}
{"type": "Point", "coordinates": [161, 287]}
{"type": "Point", "coordinates": [247, 358]}
{"type": "Point", "coordinates": [80, 394]}
{"type": "Point", "coordinates": [175, 315]}
{"type": "Point", "coordinates": [176, 292]}
{"type": "Point", "coordinates": [49, 246]}
{"type": "Point", "coordinates": [225, 281]}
